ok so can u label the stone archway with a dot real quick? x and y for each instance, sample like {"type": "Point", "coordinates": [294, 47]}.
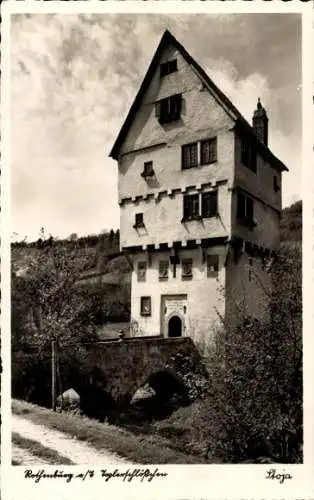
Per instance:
{"type": "Point", "coordinates": [175, 326]}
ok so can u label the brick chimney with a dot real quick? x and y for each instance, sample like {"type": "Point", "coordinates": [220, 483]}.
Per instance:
{"type": "Point", "coordinates": [260, 123]}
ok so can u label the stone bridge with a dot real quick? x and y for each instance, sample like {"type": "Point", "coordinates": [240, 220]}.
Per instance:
{"type": "Point", "coordinates": [120, 367]}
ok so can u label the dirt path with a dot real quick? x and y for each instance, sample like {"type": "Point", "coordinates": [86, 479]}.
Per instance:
{"type": "Point", "coordinates": [77, 451]}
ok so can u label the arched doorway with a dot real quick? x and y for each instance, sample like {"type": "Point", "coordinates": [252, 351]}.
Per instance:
{"type": "Point", "coordinates": [175, 327]}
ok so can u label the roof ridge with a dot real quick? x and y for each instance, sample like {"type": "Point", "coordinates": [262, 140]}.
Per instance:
{"type": "Point", "coordinates": [166, 38]}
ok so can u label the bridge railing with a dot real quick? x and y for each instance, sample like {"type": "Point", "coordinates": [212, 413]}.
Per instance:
{"type": "Point", "coordinates": [149, 338]}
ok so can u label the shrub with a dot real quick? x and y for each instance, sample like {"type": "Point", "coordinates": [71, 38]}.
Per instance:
{"type": "Point", "coordinates": [256, 399]}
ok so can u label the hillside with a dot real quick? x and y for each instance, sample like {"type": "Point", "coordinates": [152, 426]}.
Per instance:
{"type": "Point", "coordinates": [100, 251]}
{"type": "Point", "coordinates": [291, 223]}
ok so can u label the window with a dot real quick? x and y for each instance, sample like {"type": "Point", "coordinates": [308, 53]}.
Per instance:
{"type": "Point", "coordinates": [168, 67]}
{"type": "Point", "coordinates": [245, 208]}
{"type": "Point", "coordinates": [148, 169]}
{"type": "Point", "coordinates": [212, 266]}
{"type": "Point", "coordinates": [190, 206]}
{"type": "Point", "coordinates": [146, 307]}
{"type": "Point", "coordinates": [189, 155]}
{"type": "Point", "coordinates": [210, 204]}
{"type": "Point", "coordinates": [163, 269]}
{"type": "Point", "coordinates": [209, 151]}
{"type": "Point", "coordinates": [139, 220]}
{"type": "Point", "coordinates": [187, 267]}
{"type": "Point", "coordinates": [276, 184]}
{"type": "Point", "coordinates": [169, 109]}
{"type": "Point", "coordinates": [141, 271]}
{"type": "Point", "coordinates": [248, 154]}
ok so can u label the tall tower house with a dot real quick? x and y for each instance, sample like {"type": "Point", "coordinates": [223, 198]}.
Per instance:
{"type": "Point", "coordinates": [200, 201]}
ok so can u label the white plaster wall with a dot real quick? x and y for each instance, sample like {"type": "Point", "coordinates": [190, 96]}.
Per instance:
{"type": "Point", "coordinates": [166, 160]}
{"type": "Point", "coordinates": [204, 294]}
{"type": "Point", "coordinates": [200, 111]}
{"type": "Point", "coordinates": [259, 183]}
{"type": "Point", "coordinates": [163, 220]}
{"type": "Point", "coordinates": [245, 296]}
{"type": "Point", "coordinates": [266, 232]}
{"type": "Point", "coordinates": [267, 202]}
{"type": "Point", "coordinates": [202, 117]}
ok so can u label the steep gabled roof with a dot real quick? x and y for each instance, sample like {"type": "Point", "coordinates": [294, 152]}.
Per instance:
{"type": "Point", "coordinates": [225, 102]}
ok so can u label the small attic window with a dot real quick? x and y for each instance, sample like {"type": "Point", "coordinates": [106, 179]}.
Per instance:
{"type": "Point", "coordinates": [169, 109]}
{"type": "Point", "coordinates": [168, 67]}
{"type": "Point", "coordinates": [148, 169]}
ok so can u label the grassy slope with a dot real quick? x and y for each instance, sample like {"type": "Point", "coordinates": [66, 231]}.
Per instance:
{"type": "Point", "coordinates": [40, 451]}
{"type": "Point", "coordinates": [144, 449]}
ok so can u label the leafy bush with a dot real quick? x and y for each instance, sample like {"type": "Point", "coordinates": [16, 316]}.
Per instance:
{"type": "Point", "coordinates": [249, 409]}
{"type": "Point", "coordinates": [256, 380]}
{"type": "Point", "coordinates": [47, 306]}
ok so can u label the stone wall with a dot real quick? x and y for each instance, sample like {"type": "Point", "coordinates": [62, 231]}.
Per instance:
{"type": "Point", "coordinates": [124, 366]}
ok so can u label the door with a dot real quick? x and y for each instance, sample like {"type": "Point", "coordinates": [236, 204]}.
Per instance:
{"type": "Point", "coordinates": [173, 315]}
{"type": "Point", "coordinates": [175, 327]}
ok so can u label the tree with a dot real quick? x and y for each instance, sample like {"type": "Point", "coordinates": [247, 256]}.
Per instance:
{"type": "Point", "coordinates": [256, 381]}
{"type": "Point", "coordinates": [47, 307]}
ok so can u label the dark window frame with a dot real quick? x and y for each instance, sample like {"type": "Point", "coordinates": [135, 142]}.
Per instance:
{"type": "Point", "coordinates": [148, 170]}
{"type": "Point", "coordinates": [188, 261]}
{"type": "Point", "coordinates": [141, 273]}
{"type": "Point", "coordinates": [169, 109]}
{"type": "Point", "coordinates": [191, 207]}
{"type": "Point", "coordinates": [168, 67]}
{"type": "Point", "coordinates": [245, 209]}
{"type": "Point", "coordinates": [149, 304]}
{"type": "Point", "coordinates": [139, 220]}
{"type": "Point", "coordinates": [189, 155]}
{"type": "Point", "coordinates": [209, 155]}
{"type": "Point", "coordinates": [248, 153]}
{"type": "Point", "coordinates": [210, 204]}
{"type": "Point", "coordinates": [215, 264]}
{"type": "Point", "coordinates": [163, 276]}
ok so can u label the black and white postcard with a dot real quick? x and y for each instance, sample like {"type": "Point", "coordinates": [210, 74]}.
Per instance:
{"type": "Point", "coordinates": [157, 250]}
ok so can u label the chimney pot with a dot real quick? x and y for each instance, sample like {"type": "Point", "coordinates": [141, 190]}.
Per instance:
{"type": "Point", "coordinates": [260, 123]}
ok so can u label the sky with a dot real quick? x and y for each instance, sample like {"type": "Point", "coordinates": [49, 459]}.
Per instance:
{"type": "Point", "coordinates": [74, 78]}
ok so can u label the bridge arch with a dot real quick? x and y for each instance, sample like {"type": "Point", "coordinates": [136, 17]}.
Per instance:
{"type": "Point", "coordinates": [165, 384]}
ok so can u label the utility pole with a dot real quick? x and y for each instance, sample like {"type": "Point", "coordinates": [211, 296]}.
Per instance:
{"type": "Point", "coordinates": [53, 375]}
